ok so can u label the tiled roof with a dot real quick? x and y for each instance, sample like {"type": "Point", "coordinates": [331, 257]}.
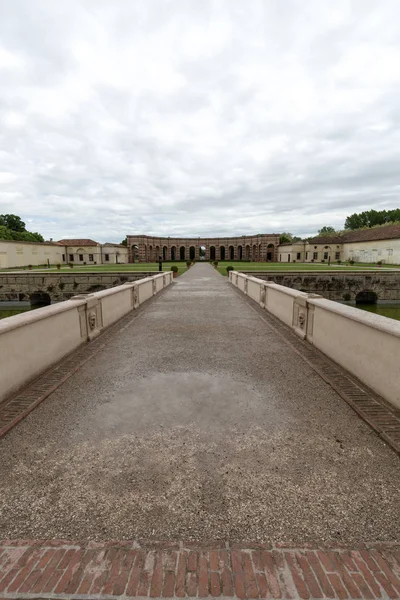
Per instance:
{"type": "Point", "coordinates": [387, 232]}
{"type": "Point", "coordinates": [78, 242]}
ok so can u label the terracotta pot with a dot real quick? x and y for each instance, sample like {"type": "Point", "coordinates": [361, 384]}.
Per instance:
{"type": "Point", "coordinates": [175, 274]}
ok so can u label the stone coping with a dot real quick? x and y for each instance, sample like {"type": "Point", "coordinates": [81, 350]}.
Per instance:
{"type": "Point", "coordinates": [27, 318]}
{"type": "Point", "coordinates": [379, 322]}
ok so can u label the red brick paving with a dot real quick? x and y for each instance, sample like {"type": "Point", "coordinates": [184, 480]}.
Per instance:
{"type": "Point", "coordinates": [63, 569]}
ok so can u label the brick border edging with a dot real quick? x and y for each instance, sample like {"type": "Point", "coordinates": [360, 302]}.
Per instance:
{"type": "Point", "coordinates": [64, 569]}
{"type": "Point", "coordinates": [379, 414]}
{"type": "Point", "coordinates": [21, 403]}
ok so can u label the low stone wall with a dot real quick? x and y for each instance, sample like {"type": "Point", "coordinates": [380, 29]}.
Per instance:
{"type": "Point", "coordinates": [32, 342]}
{"type": "Point", "coordinates": [62, 286]}
{"type": "Point", "coordinates": [366, 344]}
{"type": "Point", "coordinates": [340, 285]}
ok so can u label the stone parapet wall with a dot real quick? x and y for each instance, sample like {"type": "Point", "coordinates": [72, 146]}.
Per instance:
{"type": "Point", "coordinates": [32, 342]}
{"type": "Point", "coordinates": [366, 344]}
{"type": "Point", "coordinates": [62, 286]}
{"type": "Point", "coordinates": [338, 285]}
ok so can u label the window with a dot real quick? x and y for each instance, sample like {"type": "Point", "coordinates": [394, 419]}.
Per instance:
{"type": "Point", "coordinates": [298, 256]}
{"type": "Point", "coordinates": [63, 257]}
{"type": "Point", "coordinates": [337, 255]}
{"type": "Point", "coordinates": [91, 257]}
{"type": "Point", "coordinates": [315, 255]}
{"type": "Point", "coordinates": [325, 256]}
{"type": "Point", "coordinates": [107, 257]}
{"type": "Point", "coordinates": [71, 257]}
{"type": "Point", "coordinates": [306, 255]}
{"type": "Point", "coordinates": [81, 257]}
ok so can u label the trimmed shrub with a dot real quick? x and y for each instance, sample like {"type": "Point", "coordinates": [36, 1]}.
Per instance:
{"type": "Point", "coordinates": [230, 268]}
{"type": "Point", "coordinates": [58, 266]}
{"type": "Point", "coordinates": [188, 263]}
{"type": "Point", "coordinates": [71, 265]}
{"type": "Point", "coordinates": [174, 269]}
{"type": "Point", "coordinates": [30, 267]}
{"type": "Point", "coordinates": [379, 263]}
{"type": "Point", "coordinates": [351, 262]}
{"type": "Point", "coordinates": [215, 263]}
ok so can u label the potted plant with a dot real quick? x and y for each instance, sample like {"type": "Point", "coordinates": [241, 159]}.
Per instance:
{"type": "Point", "coordinates": [58, 266]}
{"type": "Point", "coordinates": [71, 265]}
{"type": "Point", "coordinates": [188, 263]}
{"type": "Point", "coordinates": [215, 263]}
{"type": "Point", "coordinates": [379, 263]}
{"type": "Point", "coordinates": [351, 262]}
{"type": "Point", "coordinates": [230, 268]}
{"type": "Point", "coordinates": [30, 267]}
{"type": "Point", "coordinates": [174, 269]}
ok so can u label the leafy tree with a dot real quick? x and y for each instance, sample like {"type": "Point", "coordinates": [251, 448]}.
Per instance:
{"type": "Point", "coordinates": [12, 227]}
{"type": "Point", "coordinates": [371, 218]}
{"type": "Point", "coordinates": [285, 238]}
{"type": "Point", "coordinates": [124, 242]}
{"type": "Point", "coordinates": [13, 222]}
{"type": "Point", "coordinates": [327, 230]}
{"type": "Point", "coordinates": [5, 233]}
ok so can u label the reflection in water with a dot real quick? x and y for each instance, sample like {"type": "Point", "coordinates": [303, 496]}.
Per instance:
{"type": "Point", "coordinates": [8, 309]}
{"type": "Point", "coordinates": [387, 310]}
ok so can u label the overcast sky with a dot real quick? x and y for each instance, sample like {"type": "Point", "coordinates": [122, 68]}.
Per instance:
{"type": "Point", "coordinates": [197, 117]}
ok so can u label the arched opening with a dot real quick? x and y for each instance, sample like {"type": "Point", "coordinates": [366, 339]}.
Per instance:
{"type": "Point", "coordinates": [150, 257]}
{"type": "Point", "coordinates": [212, 252]}
{"type": "Point", "coordinates": [259, 252]}
{"type": "Point", "coordinates": [288, 257]}
{"type": "Point", "coordinates": [254, 252]}
{"type": "Point", "coordinates": [165, 253]}
{"type": "Point", "coordinates": [366, 297]}
{"type": "Point", "coordinates": [231, 253]}
{"type": "Point", "coordinates": [192, 253]}
{"type": "Point", "coordinates": [157, 252]}
{"type": "Point", "coordinates": [222, 252]}
{"type": "Point", "coordinates": [247, 252]}
{"type": "Point", "coordinates": [135, 253]}
{"type": "Point", "coordinates": [240, 252]}
{"type": "Point", "coordinates": [173, 252]}
{"type": "Point", "coordinates": [182, 253]}
{"type": "Point", "coordinates": [270, 252]}
{"type": "Point", "coordinates": [202, 252]}
{"type": "Point", "coordinates": [145, 254]}
{"type": "Point", "coordinates": [40, 299]}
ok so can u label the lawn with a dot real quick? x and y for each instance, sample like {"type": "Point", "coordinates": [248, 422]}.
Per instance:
{"type": "Point", "coordinates": [111, 268]}
{"type": "Point", "coordinates": [279, 266]}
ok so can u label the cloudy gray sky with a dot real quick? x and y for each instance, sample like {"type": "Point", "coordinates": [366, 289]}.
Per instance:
{"type": "Point", "coordinates": [197, 117]}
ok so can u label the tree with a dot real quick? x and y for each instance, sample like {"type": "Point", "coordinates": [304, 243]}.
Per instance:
{"type": "Point", "coordinates": [124, 242]}
{"type": "Point", "coordinates": [327, 230]}
{"type": "Point", "coordinates": [12, 227]}
{"type": "Point", "coordinates": [371, 218]}
{"type": "Point", "coordinates": [285, 237]}
{"type": "Point", "coordinates": [5, 233]}
{"type": "Point", "coordinates": [13, 222]}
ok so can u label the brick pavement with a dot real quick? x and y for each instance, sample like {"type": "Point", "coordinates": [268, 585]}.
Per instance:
{"type": "Point", "coordinates": [63, 569]}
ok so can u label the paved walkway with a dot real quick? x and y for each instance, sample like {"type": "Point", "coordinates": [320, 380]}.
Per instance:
{"type": "Point", "coordinates": [198, 423]}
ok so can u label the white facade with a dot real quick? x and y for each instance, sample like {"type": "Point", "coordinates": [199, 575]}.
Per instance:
{"type": "Point", "coordinates": [22, 254]}
{"type": "Point", "coordinates": [388, 251]}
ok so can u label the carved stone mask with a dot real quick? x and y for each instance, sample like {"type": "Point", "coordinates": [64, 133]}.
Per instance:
{"type": "Point", "coordinates": [92, 320]}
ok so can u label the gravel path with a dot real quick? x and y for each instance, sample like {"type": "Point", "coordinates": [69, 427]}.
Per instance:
{"type": "Point", "coordinates": [198, 422]}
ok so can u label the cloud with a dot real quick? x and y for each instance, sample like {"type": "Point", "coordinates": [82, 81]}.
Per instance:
{"type": "Point", "coordinates": [179, 117]}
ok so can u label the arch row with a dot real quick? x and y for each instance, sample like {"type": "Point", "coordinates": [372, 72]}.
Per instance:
{"type": "Point", "coordinates": [148, 250]}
